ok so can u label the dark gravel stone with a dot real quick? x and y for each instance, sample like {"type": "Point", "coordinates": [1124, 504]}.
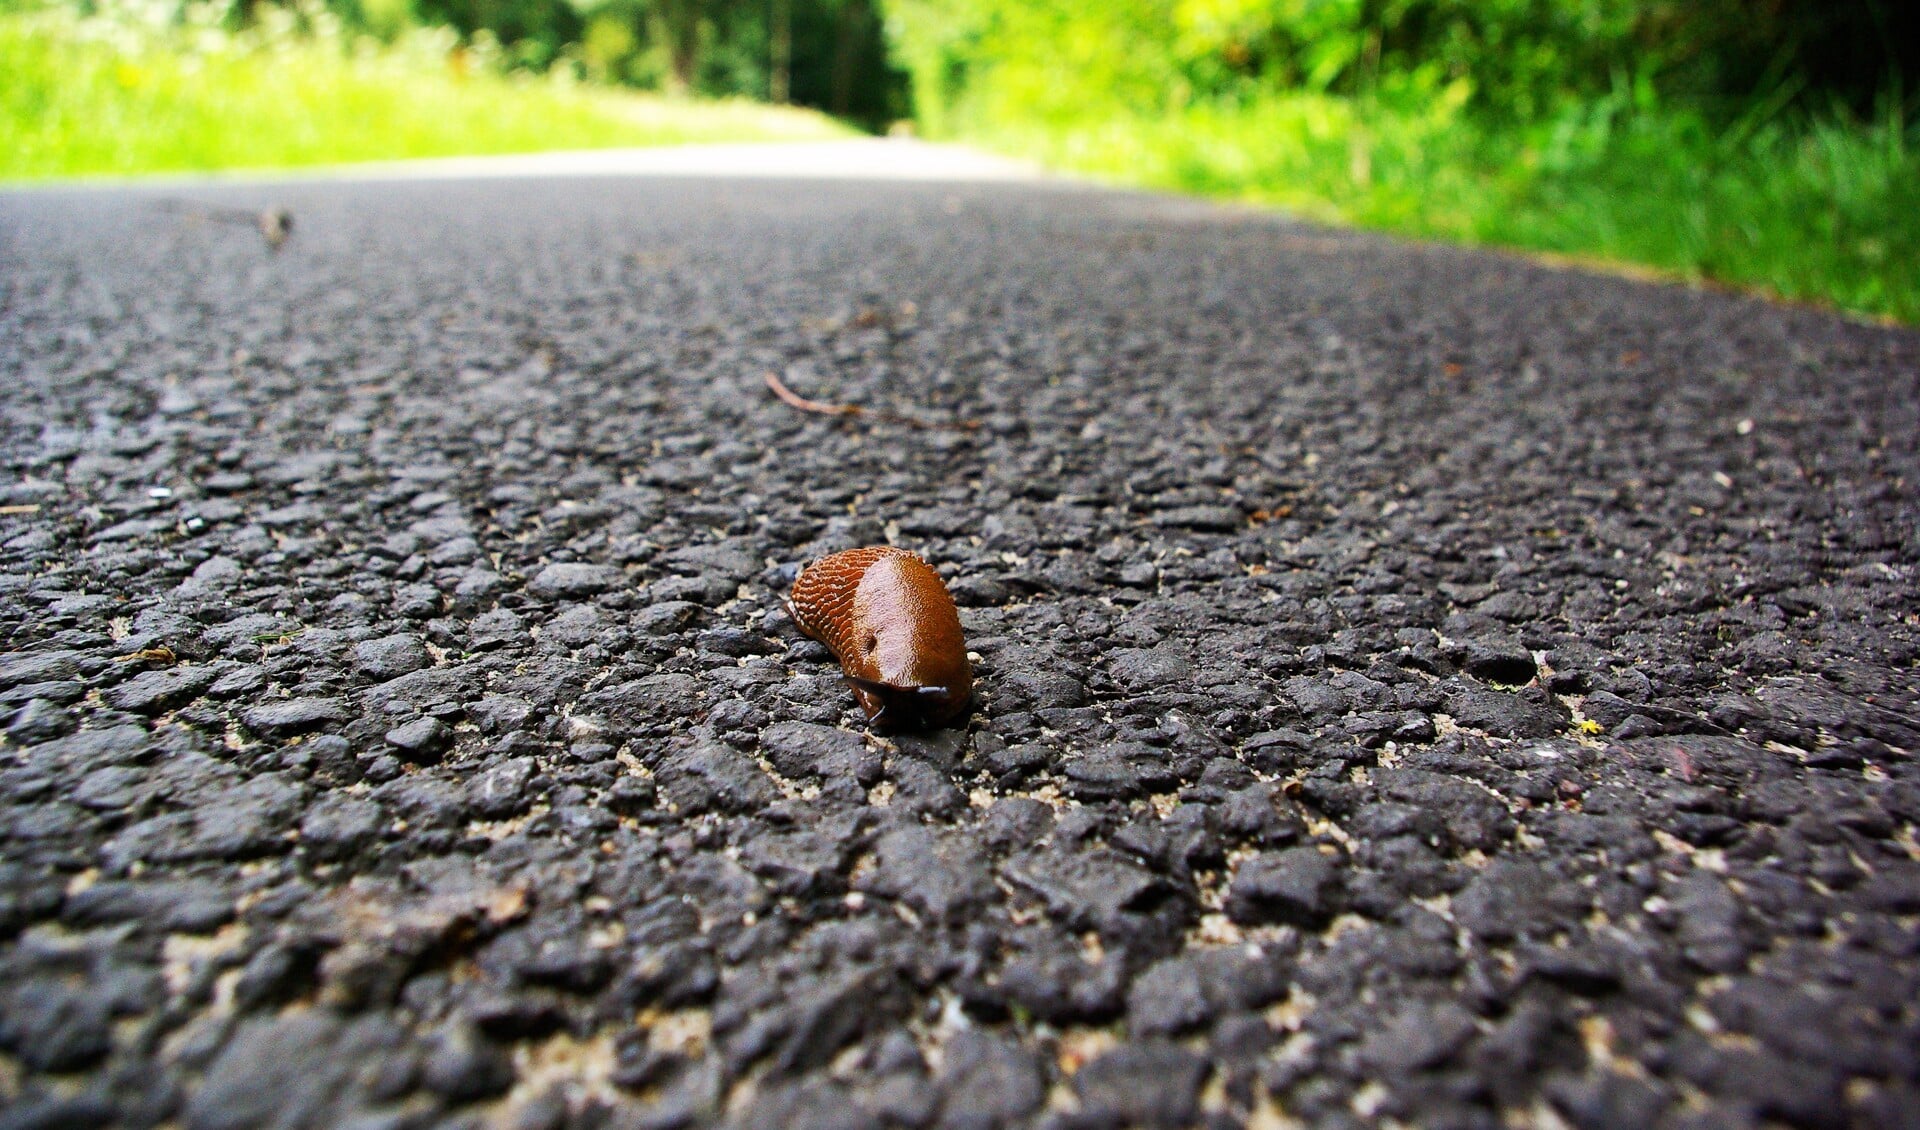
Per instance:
{"type": "Point", "coordinates": [151, 692]}
{"type": "Point", "coordinates": [1141, 669]}
{"type": "Point", "coordinates": [1060, 983]}
{"type": "Point", "coordinates": [1031, 681]}
{"type": "Point", "coordinates": [1102, 775]}
{"type": "Point", "coordinates": [802, 750]}
{"type": "Point", "coordinates": [1577, 967]}
{"type": "Point", "coordinates": [1518, 898]}
{"type": "Point", "coordinates": [1097, 890]}
{"type": "Point", "coordinates": [462, 1066]}
{"type": "Point", "coordinates": [1608, 709]}
{"type": "Point", "coordinates": [1299, 885]}
{"type": "Point", "coordinates": [295, 715]}
{"type": "Point", "coordinates": [666, 617]}
{"type": "Point", "coordinates": [630, 796]}
{"type": "Point", "coordinates": [40, 720]}
{"type": "Point", "coordinates": [50, 1026]}
{"type": "Point", "coordinates": [1791, 1091]}
{"type": "Point", "coordinates": [1508, 715]}
{"type": "Point", "coordinates": [70, 1112]}
{"type": "Point", "coordinates": [1498, 659]}
{"type": "Point", "coordinates": [1168, 998]}
{"type": "Point", "coordinates": [1015, 822]}
{"type": "Point", "coordinates": [941, 877]}
{"type": "Point", "coordinates": [801, 863]}
{"type": "Point", "coordinates": [978, 592]}
{"type": "Point", "coordinates": [495, 629]}
{"type": "Point", "coordinates": [303, 1069]}
{"type": "Point", "coordinates": [23, 668]}
{"type": "Point", "coordinates": [238, 681]}
{"type": "Point", "coordinates": [114, 788]}
{"type": "Point", "coordinates": [708, 777]}
{"type": "Point", "coordinates": [628, 706]}
{"type": "Point", "coordinates": [988, 1082]}
{"type": "Point", "coordinates": [1473, 817]}
{"type": "Point", "coordinates": [423, 799]}
{"type": "Point", "coordinates": [1258, 815]}
{"type": "Point", "coordinates": [504, 789]}
{"type": "Point", "coordinates": [1118, 771]}
{"type": "Point", "coordinates": [422, 740]}
{"type": "Point", "coordinates": [186, 906]}
{"type": "Point", "coordinates": [1894, 890]}
{"type": "Point", "coordinates": [819, 1020]}
{"type": "Point", "coordinates": [734, 561]}
{"type": "Point", "coordinates": [1605, 1099]}
{"type": "Point", "coordinates": [816, 1105]}
{"type": "Point", "coordinates": [1416, 1038]}
{"type": "Point", "coordinates": [1707, 921]}
{"type": "Point", "coordinates": [573, 580]}
{"type": "Point", "coordinates": [577, 626]}
{"type": "Point", "coordinates": [1317, 698]}
{"type": "Point", "coordinates": [1013, 764]}
{"type": "Point", "coordinates": [923, 789]}
{"type": "Point", "coordinates": [239, 820]}
{"type": "Point", "coordinates": [1189, 991]}
{"type": "Point", "coordinates": [338, 826]}
{"type": "Point", "coordinates": [390, 656]}
{"type": "Point", "coordinates": [497, 713]}
{"type": "Point", "coordinates": [1215, 518]}
{"type": "Point", "coordinates": [1145, 1084]}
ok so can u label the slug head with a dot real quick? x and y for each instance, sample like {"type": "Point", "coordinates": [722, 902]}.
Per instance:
{"type": "Point", "coordinates": [891, 709]}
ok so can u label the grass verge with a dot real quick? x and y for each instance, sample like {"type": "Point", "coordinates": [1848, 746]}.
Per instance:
{"type": "Point", "coordinates": [112, 96]}
{"type": "Point", "coordinates": [1824, 209]}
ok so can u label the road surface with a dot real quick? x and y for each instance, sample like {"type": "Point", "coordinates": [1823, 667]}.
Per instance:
{"type": "Point", "coordinates": [1417, 685]}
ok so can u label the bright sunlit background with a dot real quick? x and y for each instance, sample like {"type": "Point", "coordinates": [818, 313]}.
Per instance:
{"type": "Point", "coordinates": [1763, 143]}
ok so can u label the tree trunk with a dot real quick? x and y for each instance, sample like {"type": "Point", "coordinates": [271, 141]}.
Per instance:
{"type": "Point", "coordinates": [680, 26]}
{"type": "Point", "coordinates": [846, 57]}
{"type": "Point", "coordinates": [780, 64]}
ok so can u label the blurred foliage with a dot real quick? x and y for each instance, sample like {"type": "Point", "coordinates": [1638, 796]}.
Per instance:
{"type": "Point", "coordinates": [829, 54]}
{"type": "Point", "coordinates": [1769, 143]}
{"type": "Point", "coordinates": [142, 87]}
{"type": "Point", "coordinates": [1519, 59]}
{"type": "Point", "coordinates": [826, 54]}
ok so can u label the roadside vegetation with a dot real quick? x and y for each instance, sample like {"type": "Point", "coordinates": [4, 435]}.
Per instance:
{"type": "Point", "coordinates": [134, 90]}
{"type": "Point", "coordinates": [1773, 146]}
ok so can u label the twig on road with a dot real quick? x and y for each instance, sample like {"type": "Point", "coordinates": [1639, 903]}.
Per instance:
{"type": "Point", "coordinates": [822, 408]}
{"type": "Point", "coordinates": [273, 224]}
{"type": "Point", "coordinates": [817, 407]}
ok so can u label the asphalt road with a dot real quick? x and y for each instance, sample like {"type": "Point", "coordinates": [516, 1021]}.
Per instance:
{"type": "Point", "coordinates": [1417, 685]}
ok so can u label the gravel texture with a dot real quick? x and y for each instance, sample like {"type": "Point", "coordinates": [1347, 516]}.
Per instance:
{"type": "Point", "coordinates": [1416, 684]}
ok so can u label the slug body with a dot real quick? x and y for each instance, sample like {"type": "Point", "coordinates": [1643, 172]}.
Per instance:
{"type": "Point", "coordinates": [891, 623]}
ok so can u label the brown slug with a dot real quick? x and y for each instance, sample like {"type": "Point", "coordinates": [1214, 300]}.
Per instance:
{"type": "Point", "coordinates": [891, 623]}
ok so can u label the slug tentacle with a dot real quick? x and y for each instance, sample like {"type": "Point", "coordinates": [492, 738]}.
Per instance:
{"type": "Point", "coordinates": [889, 620]}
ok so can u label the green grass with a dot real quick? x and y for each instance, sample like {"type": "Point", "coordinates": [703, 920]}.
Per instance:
{"type": "Point", "coordinates": [113, 96]}
{"type": "Point", "coordinates": [1822, 209]}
